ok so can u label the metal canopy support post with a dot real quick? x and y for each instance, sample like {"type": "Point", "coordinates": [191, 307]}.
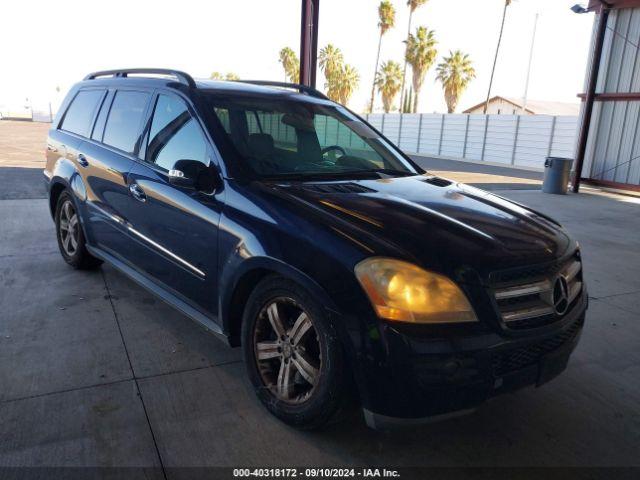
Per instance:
{"type": "Point", "coordinates": [309, 41]}
{"type": "Point", "coordinates": [591, 93]}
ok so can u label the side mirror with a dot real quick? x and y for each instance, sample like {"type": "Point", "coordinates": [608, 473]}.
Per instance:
{"type": "Point", "coordinates": [194, 175]}
{"type": "Point", "coordinates": [179, 179]}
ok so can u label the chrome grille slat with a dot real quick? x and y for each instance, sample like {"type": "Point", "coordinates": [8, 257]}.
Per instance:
{"type": "Point", "coordinates": [520, 290]}
{"type": "Point", "coordinates": [574, 291]}
{"type": "Point", "coordinates": [526, 302]}
{"type": "Point", "coordinates": [572, 270]}
{"type": "Point", "coordinates": [524, 314]}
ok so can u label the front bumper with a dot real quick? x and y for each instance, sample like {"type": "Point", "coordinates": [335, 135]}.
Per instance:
{"type": "Point", "coordinates": [425, 378]}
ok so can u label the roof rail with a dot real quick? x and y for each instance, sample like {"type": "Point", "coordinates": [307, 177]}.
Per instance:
{"type": "Point", "coordinates": [296, 86]}
{"type": "Point", "coordinates": [124, 72]}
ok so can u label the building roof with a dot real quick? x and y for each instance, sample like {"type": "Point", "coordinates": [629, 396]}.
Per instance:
{"type": "Point", "coordinates": [536, 107]}
{"type": "Point", "coordinates": [597, 4]}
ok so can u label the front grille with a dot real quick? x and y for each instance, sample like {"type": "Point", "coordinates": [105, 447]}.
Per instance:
{"type": "Point", "coordinates": [536, 296]}
{"type": "Point", "coordinates": [517, 274]}
{"type": "Point", "coordinates": [513, 360]}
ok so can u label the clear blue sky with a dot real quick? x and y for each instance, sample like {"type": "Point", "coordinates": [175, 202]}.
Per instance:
{"type": "Point", "coordinates": [245, 37]}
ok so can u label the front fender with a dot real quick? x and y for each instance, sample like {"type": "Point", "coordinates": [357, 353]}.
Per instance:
{"type": "Point", "coordinates": [235, 271]}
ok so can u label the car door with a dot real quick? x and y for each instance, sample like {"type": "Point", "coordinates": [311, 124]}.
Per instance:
{"type": "Point", "coordinates": [64, 143]}
{"type": "Point", "coordinates": [177, 227]}
{"type": "Point", "coordinates": [107, 158]}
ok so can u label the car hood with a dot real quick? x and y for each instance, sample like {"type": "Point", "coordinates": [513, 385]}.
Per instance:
{"type": "Point", "coordinates": [445, 226]}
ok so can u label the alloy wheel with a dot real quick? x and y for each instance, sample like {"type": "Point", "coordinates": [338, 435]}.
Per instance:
{"type": "Point", "coordinates": [287, 350]}
{"type": "Point", "coordinates": [69, 229]}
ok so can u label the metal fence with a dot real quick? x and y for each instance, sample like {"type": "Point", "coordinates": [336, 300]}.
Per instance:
{"type": "Point", "coordinates": [32, 113]}
{"type": "Point", "coordinates": [519, 140]}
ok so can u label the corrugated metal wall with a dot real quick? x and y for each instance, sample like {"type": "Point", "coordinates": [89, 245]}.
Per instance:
{"type": "Point", "coordinates": [613, 148]}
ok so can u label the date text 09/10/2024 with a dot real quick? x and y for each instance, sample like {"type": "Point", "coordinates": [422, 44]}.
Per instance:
{"type": "Point", "coordinates": [316, 473]}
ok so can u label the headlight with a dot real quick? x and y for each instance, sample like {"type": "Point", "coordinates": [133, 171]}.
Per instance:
{"type": "Point", "coordinates": [404, 292]}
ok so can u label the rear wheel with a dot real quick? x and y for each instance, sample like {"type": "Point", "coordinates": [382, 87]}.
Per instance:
{"type": "Point", "coordinates": [71, 240]}
{"type": "Point", "coordinates": [293, 357]}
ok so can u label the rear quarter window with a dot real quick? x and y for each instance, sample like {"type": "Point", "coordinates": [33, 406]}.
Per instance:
{"type": "Point", "coordinates": [125, 119]}
{"type": "Point", "coordinates": [79, 115]}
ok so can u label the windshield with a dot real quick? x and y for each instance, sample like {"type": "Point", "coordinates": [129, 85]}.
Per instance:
{"type": "Point", "coordinates": [288, 138]}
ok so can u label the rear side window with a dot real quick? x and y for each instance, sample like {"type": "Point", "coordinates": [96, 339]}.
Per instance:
{"type": "Point", "coordinates": [80, 113]}
{"type": "Point", "coordinates": [125, 118]}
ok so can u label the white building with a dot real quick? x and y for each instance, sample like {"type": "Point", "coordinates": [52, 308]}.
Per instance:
{"type": "Point", "coordinates": [500, 105]}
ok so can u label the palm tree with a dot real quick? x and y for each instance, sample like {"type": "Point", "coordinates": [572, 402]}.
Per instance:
{"type": "Point", "coordinates": [495, 59]}
{"type": "Point", "coordinates": [413, 6]}
{"type": "Point", "coordinates": [229, 76]}
{"type": "Point", "coordinates": [389, 81]}
{"type": "Point", "coordinates": [455, 72]}
{"type": "Point", "coordinates": [387, 19]}
{"type": "Point", "coordinates": [291, 65]}
{"type": "Point", "coordinates": [331, 63]}
{"type": "Point", "coordinates": [348, 81]}
{"type": "Point", "coordinates": [420, 54]}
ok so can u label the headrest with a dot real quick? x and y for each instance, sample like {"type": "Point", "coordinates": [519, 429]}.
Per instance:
{"type": "Point", "coordinates": [261, 144]}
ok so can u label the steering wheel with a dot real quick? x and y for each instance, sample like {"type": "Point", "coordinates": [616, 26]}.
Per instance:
{"type": "Point", "coordinates": [330, 148]}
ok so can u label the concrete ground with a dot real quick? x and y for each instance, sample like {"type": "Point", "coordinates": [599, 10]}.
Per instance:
{"type": "Point", "coordinates": [94, 371]}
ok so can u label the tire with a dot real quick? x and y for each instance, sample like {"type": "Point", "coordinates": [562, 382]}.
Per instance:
{"type": "Point", "coordinates": [298, 403]}
{"type": "Point", "coordinates": [71, 240]}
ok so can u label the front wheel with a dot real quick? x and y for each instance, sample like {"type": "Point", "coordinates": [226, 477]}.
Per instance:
{"type": "Point", "coordinates": [292, 355]}
{"type": "Point", "coordinates": [71, 240]}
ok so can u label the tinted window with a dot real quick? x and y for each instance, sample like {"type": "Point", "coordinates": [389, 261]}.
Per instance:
{"type": "Point", "coordinates": [278, 137]}
{"type": "Point", "coordinates": [80, 113]}
{"type": "Point", "coordinates": [333, 133]}
{"type": "Point", "coordinates": [270, 123]}
{"type": "Point", "coordinates": [98, 128]}
{"type": "Point", "coordinates": [125, 117]}
{"type": "Point", "coordinates": [174, 135]}
{"type": "Point", "coordinates": [223, 116]}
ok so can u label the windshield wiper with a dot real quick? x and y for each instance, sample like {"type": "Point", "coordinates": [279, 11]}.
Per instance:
{"type": "Point", "coordinates": [390, 171]}
{"type": "Point", "coordinates": [322, 175]}
{"type": "Point", "coordinates": [352, 174]}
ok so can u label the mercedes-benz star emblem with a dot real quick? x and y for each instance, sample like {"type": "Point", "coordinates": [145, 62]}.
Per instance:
{"type": "Point", "coordinates": [560, 295]}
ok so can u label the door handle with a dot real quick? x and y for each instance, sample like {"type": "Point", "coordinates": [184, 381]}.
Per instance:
{"type": "Point", "coordinates": [82, 160]}
{"type": "Point", "coordinates": [137, 192]}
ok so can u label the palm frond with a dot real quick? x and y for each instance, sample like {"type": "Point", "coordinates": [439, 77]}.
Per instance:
{"type": "Point", "coordinates": [386, 15]}
{"type": "Point", "coordinates": [389, 82]}
{"type": "Point", "coordinates": [421, 53]}
{"type": "Point", "coordinates": [455, 72]}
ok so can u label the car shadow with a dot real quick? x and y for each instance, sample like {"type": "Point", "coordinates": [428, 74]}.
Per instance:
{"type": "Point", "coordinates": [22, 183]}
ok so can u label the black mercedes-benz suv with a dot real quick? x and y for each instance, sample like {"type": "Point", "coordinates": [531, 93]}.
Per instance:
{"type": "Point", "coordinates": [285, 224]}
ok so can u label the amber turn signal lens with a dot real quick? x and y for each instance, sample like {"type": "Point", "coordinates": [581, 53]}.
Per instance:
{"type": "Point", "coordinates": [403, 292]}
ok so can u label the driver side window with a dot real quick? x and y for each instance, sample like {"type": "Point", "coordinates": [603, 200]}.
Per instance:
{"type": "Point", "coordinates": [175, 135]}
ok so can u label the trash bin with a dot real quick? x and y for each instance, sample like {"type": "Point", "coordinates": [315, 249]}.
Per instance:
{"type": "Point", "coordinates": [556, 175]}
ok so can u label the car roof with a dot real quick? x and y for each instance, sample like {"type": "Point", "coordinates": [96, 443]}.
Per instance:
{"type": "Point", "coordinates": [257, 88]}
{"type": "Point", "coordinates": [247, 88]}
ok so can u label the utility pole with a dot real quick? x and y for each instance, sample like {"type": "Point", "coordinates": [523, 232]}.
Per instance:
{"type": "Point", "coordinates": [526, 85]}
{"type": "Point", "coordinates": [309, 41]}
{"type": "Point", "coordinates": [495, 60]}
